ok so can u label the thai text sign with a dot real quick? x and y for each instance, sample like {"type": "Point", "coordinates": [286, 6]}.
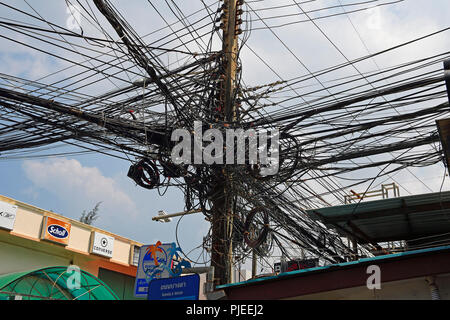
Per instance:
{"type": "Point", "coordinates": [178, 288]}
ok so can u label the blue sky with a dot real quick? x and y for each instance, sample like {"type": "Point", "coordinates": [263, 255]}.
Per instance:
{"type": "Point", "coordinates": [68, 185]}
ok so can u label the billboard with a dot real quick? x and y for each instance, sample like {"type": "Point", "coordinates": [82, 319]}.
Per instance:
{"type": "Point", "coordinates": [7, 215]}
{"type": "Point", "coordinates": [56, 230]}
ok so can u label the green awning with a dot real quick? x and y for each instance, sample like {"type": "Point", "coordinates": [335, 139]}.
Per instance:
{"type": "Point", "coordinates": [402, 218]}
{"type": "Point", "coordinates": [54, 283]}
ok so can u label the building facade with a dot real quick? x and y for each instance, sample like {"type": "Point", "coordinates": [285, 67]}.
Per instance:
{"type": "Point", "coordinates": [32, 238]}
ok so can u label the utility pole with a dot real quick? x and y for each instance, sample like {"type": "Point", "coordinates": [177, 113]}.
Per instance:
{"type": "Point", "coordinates": [222, 217]}
{"type": "Point", "coordinates": [254, 263]}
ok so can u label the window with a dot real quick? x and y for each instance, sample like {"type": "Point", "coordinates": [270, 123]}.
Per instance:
{"type": "Point", "coordinates": [135, 257]}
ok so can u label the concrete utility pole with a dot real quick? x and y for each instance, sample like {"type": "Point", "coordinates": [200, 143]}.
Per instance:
{"type": "Point", "coordinates": [254, 264]}
{"type": "Point", "coordinates": [222, 219]}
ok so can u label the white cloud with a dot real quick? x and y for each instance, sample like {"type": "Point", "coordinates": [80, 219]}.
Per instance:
{"type": "Point", "coordinates": [68, 187]}
{"type": "Point", "coordinates": [69, 180]}
{"type": "Point", "coordinates": [32, 192]}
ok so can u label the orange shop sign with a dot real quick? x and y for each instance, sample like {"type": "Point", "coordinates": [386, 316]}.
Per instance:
{"type": "Point", "coordinates": [56, 230]}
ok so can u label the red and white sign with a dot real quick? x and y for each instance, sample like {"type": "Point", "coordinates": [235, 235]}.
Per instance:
{"type": "Point", "coordinates": [56, 230]}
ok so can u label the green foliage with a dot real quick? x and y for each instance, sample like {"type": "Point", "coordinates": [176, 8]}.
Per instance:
{"type": "Point", "coordinates": [91, 216]}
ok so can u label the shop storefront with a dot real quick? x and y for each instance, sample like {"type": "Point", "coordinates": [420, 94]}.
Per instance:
{"type": "Point", "coordinates": [38, 247]}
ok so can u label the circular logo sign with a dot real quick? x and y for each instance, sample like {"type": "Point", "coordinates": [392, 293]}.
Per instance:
{"type": "Point", "coordinates": [104, 242]}
{"type": "Point", "coordinates": [154, 262]}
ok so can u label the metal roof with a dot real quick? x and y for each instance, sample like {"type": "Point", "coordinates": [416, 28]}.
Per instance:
{"type": "Point", "coordinates": [371, 260]}
{"type": "Point", "coordinates": [402, 218]}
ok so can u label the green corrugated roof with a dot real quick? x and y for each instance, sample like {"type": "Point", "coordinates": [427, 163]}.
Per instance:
{"type": "Point", "coordinates": [379, 205]}
{"type": "Point", "coordinates": [377, 259]}
{"type": "Point", "coordinates": [10, 277]}
{"type": "Point", "coordinates": [402, 218]}
{"type": "Point", "coordinates": [54, 283]}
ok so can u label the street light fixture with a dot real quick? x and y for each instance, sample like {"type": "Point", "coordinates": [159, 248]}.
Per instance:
{"type": "Point", "coordinates": [164, 217]}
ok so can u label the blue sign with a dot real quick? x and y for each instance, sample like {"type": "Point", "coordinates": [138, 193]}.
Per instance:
{"type": "Point", "coordinates": [178, 288]}
{"type": "Point", "coordinates": [155, 262]}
